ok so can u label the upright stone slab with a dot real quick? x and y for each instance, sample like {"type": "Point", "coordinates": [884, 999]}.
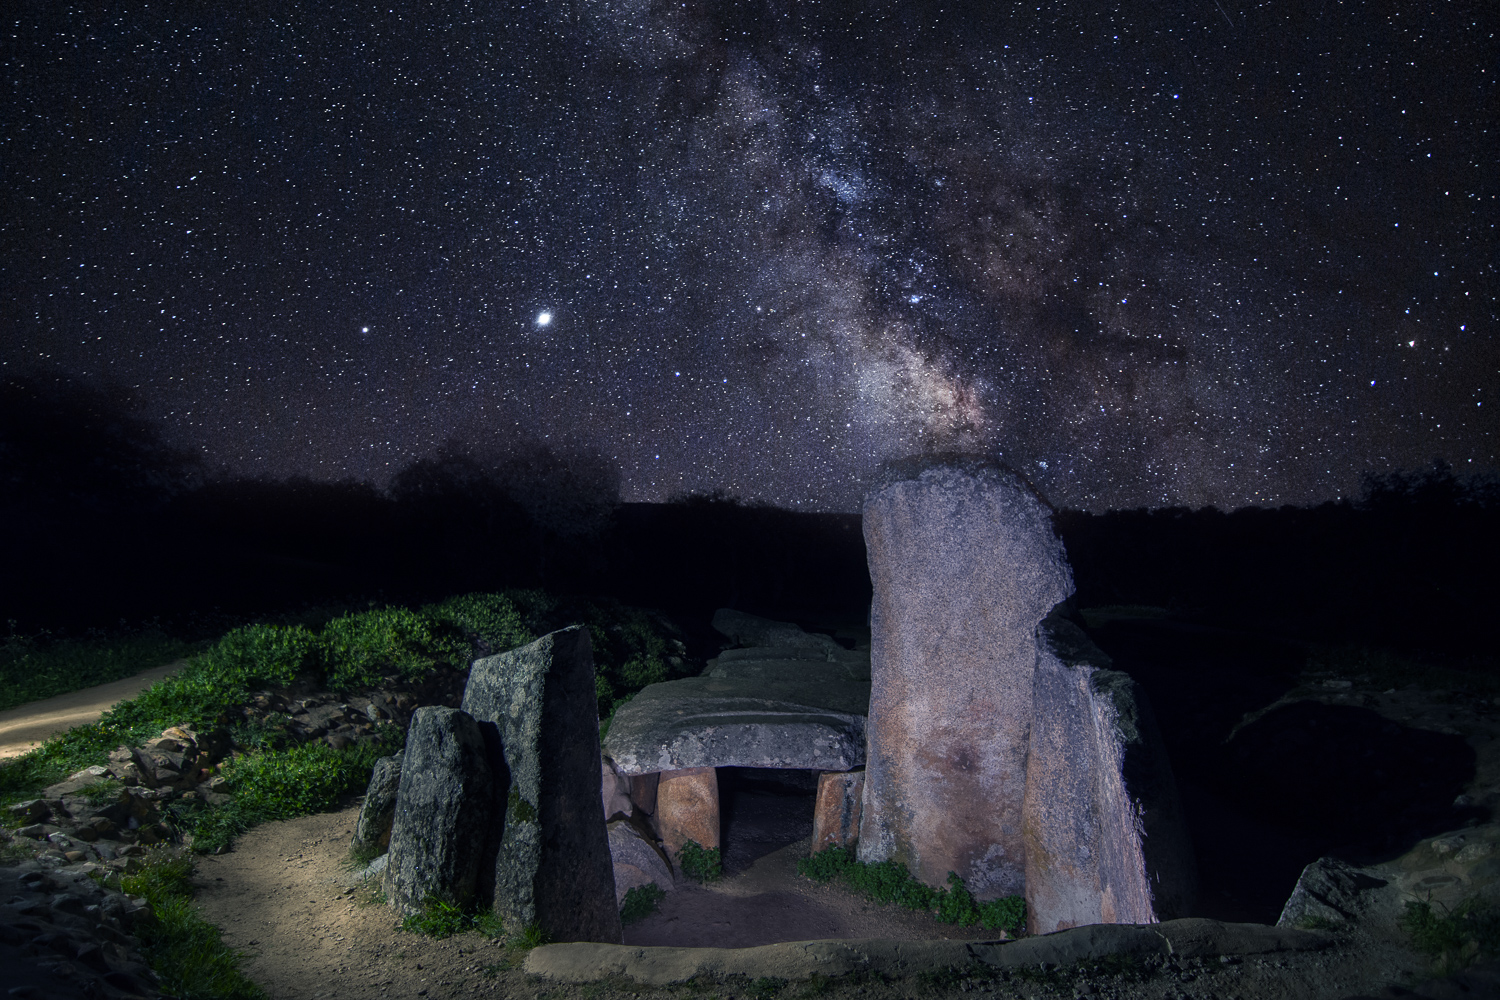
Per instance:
{"type": "Point", "coordinates": [444, 807]}
{"type": "Point", "coordinates": [552, 864]}
{"type": "Point", "coordinates": [1105, 839]}
{"type": "Point", "coordinates": [687, 808]}
{"type": "Point", "coordinates": [964, 564]}
{"type": "Point", "coordinates": [372, 831]}
{"type": "Point", "coordinates": [836, 809]}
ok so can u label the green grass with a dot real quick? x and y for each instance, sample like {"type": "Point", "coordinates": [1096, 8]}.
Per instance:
{"type": "Point", "coordinates": [440, 918]}
{"type": "Point", "coordinates": [1456, 938]}
{"type": "Point", "coordinates": [185, 950]}
{"type": "Point", "coordinates": [891, 883]}
{"type": "Point", "coordinates": [37, 667]}
{"type": "Point", "coordinates": [282, 784]}
{"type": "Point", "coordinates": [702, 864]}
{"type": "Point", "coordinates": [640, 902]}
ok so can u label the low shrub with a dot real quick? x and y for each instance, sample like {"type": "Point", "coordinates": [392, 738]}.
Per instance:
{"type": "Point", "coordinates": [1457, 938]}
{"type": "Point", "coordinates": [700, 863]}
{"type": "Point", "coordinates": [281, 784]}
{"type": "Point", "coordinates": [440, 918]}
{"type": "Point", "coordinates": [640, 902]}
{"type": "Point", "coordinates": [358, 650]}
{"type": "Point", "coordinates": [890, 882]}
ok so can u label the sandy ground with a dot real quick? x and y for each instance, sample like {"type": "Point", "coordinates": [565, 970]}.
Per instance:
{"type": "Point", "coordinates": [26, 726]}
{"type": "Point", "coordinates": [284, 898]}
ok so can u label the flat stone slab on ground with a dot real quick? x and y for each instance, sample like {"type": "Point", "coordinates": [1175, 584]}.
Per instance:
{"type": "Point", "coordinates": [750, 630]}
{"type": "Point", "coordinates": [740, 722]}
{"type": "Point", "coordinates": [1188, 938]}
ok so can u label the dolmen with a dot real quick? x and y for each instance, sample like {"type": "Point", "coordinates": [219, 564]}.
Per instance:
{"type": "Point", "coordinates": [1001, 745]}
{"type": "Point", "coordinates": [785, 699]}
{"type": "Point", "coordinates": [498, 803]}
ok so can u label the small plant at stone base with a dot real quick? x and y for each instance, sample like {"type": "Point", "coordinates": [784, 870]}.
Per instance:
{"type": "Point", "coordinates": [765, 987]}
{"type": "Point", "coordinates": [640, 902]}
{"type": "Point", "coordinates": [440, 918]}
{"type": "Point", "coordinates": [1456, 939]}
{"type": "Point", "coordinates": [530, 936]}
{"type": "Point", "coordinates": [700, 863]}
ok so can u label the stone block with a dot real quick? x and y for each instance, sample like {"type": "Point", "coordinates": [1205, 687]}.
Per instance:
{"type": "Point", "coordinates": [615, 791]}
{"type": "Point", "coordinates": [637, 859]}
{"type": "Point", "coordinates": [1105, 838]}
{"type": "Point", "coordinates": [964, 564]}
{"type": "Point", "coordinates": [444, 807]}
{"type": "Point", "coordinates": [372, 831]}
{"type": "Point", "coordinates": [814, 721]}
{"type": "Point", "coordinates": [552, 867]}
{"type": "Point", "coordinates": [836, 809]}
{"type": "Point", "coordinates": [687, 808]}
{"type": "Point", "coordinates": [643, 792]}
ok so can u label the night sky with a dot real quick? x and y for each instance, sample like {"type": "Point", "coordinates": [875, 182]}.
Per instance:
{"type": "Point", "coordinates": [1164, 253]}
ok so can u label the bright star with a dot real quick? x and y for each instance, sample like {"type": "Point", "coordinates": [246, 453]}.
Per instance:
{"type": "Point", "coordinates": [543, 318]}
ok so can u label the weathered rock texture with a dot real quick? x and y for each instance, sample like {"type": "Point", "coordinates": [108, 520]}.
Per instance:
{"type": "Point", "coordinates": [372, 831]}
{"type": "Point", "coordinates": [637, 859]}
{"type": "Point", "coordinates": [836, 810]}
{"type": "Point", "coordinates": [552, 863]}
{"type": "Point", "coordinates": [813, 720]}
{"type": "Point", "coordinates": [444, 803]}
{"type": "Point", "coordinates": [687, 808]}
{"type": "Point", "coordinates": [1330, 891]}
{"type": "Point", "coordinates": [1105, 839]}
{"type": "Point", "coordinates": [964, 565]}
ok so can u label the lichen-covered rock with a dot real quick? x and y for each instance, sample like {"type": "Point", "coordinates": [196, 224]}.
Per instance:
{"type": "Point", "coordinates": [964, 564]}
{"type": "Point", "coordinates": [1105, 838]}
{"type": "Point", "coordinates": [444, 809]}
{"type": "Point", "coordinates": [372, 831]}
{"type": "Point", "coordinates": [687, 808]}
{"type": "Point", "coordinates": [552, 866]}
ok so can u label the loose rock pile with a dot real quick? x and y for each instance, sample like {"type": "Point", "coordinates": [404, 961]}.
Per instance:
{"type": "Point", "coordinates": [64, 934]}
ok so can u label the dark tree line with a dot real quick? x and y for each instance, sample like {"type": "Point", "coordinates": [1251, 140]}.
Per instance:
{"type": "Point", "coordinates": [100, 519]}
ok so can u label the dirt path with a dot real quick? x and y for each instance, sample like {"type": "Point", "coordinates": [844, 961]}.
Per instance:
{"type": "Point", "coordinates": [283, 898]}
{"type": "Point", "coordinates": [24, 727]}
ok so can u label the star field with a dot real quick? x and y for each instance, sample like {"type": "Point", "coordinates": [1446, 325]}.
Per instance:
{"type": "Point", "coordinates": [1151, 254]}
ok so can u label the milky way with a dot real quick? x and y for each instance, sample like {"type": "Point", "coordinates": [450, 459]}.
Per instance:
{"type": "Point", "coordinates": [1154, 254]}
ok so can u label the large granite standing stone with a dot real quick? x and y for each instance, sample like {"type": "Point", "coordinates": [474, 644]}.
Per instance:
{"type": "Point", "coordinates": [372, 831]}
{"type": "Point", "coordinates": [552, 864]}
{"type": "Point", "coordinates": [444, 805]}
{"type": "Point", "coordinates": [1105, 838]}
{"type": "Point", "coordinates": [964, 565]}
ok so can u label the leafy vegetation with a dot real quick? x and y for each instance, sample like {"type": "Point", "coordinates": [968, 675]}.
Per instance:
{"type": "Point", "coordinates": [281, 784]}
{"type": "Point", "coordinates": [1458, 937]}
{"type": "Point", "coordinates": [640, 902]}
{"type": "Point", "coordinates": [700, 863]}
{"type": "Point", "coordinates": [185, 950]}
{"type": "Point", "coordinates": [440, 918]}
{"type": "Point", "coordinates": [33, 667]}
{"type": "Point", "coordinates": [890, 882]}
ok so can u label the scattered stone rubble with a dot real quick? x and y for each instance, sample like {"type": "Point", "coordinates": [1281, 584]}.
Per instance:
{"type": "Point", "coordinates": [64, 934]}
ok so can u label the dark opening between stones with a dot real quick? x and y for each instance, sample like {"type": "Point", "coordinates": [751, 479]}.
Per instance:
{"type": "Point", "coordinates": [763, 810]}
